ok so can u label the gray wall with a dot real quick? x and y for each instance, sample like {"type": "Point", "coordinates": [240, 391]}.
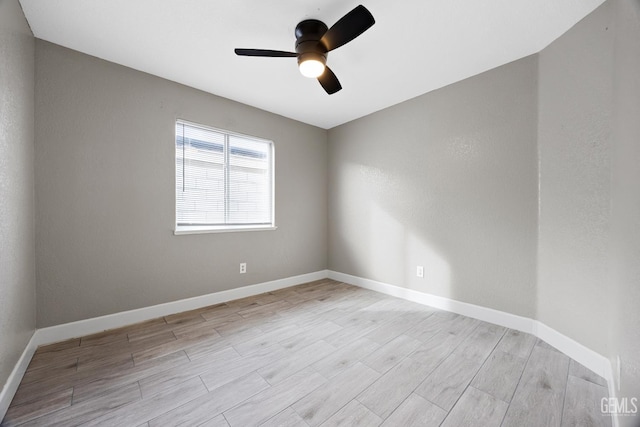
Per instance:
{"type": "Point", "coordinates": [17, 236]}
{"type": "Point", "coordinates": [447, 180]}
{"type": "Point", "coordinates": [574, 140]}
{"type": "Point", "coordinates": [105, 192]}
{"type": "Point", "coordinates": [625, 201]}
{"type": "Point", "coordinates": [589, 151]}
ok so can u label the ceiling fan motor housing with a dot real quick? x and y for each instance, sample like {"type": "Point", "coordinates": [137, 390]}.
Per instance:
{"type": "Point", "coordinates": [308, 47]}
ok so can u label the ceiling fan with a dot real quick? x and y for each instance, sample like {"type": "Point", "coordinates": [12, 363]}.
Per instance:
{"type": "Point", "coordinates": [314, 40]}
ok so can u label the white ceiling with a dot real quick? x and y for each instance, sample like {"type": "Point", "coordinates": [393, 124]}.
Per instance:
{"type": "Point", "coordinates": [415, 46]}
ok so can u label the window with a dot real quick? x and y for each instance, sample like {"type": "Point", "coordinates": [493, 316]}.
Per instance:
{"type": "Point", "coordinates": [224, 181]}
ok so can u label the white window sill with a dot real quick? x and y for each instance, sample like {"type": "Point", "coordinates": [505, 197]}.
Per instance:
{"type": "Point", "coordinates": [196, 229]}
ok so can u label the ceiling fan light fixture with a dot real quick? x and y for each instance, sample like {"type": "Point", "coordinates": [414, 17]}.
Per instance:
{"type": "Point", "coordinates": [311, 65]}
{"type": "Point", "coordinates": [314, 40]}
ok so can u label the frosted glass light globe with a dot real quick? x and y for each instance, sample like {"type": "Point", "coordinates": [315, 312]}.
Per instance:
{"type": "Point", "coordinates": [311, 68]}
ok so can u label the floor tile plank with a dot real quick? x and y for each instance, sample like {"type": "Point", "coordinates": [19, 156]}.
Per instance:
{"type": "Point", "coordinates": [345, 357]}
{"type": "Point", "coordinates": [212, 404]}
{"type": "Point", "coordinates": [37, 390]}
{"type": "Point", "coordinates": [206, 347]}
{"type": "Point", "coordinates": [286, 418]}
{"type": "Point", "coordinates": [517, 343]}
{"type": "Point", "coordinates": [266, 340]}
{"type": "Point", "coordinates": [272, 307]}
{"type": "Point", "coordinates": [447, 382]}
{"type": "Point", "coordinates": [578, 409]}
{"type": "Point", "coordinates": [116, 378]}
{"type": "Point", "coordinates": [147, 409]}
{"type": "Point", "coordinates": [97, 355]}
{"type": "Point", "coordinates": [264, 405]}
{"type": "Point", "coordinates": [308, 337]}
{"type": "Point", "coordinates": [163, 379]}
{"type": "Point", "coordinates": [397, 326]}
{"type": "Point", "coordinates": [76, 415]}
{"type": "Point", "coordinates": [476, 408]}
{"type": "Point", "coordinates": [318, 406]}
{"type": "Point", "coordinates": [67, 369]}
{"type": "Point", "coordinates": [500, 375]}
{"type": "Point", "coordinates": [62, 345]}
{"type": "Point", "coordinates": [390, 390]}
{"type": "Point", "coordinates": [577, 370]}
{"type": "Point", "coordinates": [438, 348]}
{"type": "Point", "coordinates": [173, 346]}
{"type": "Point", "coordinates": [221, 374]}
{"type": "Point", "coordinates": [53, 402]}
{"type": "Point", "coordinates": [353, 414]}
{"type": "Point", "coordinates": [110, 336]}
{"type": "Point", "coordinates": [219, 421]}
{"type": "Point", "coordinates": [481, 341]}
{"type": "Point", "coordinates": [147, 329]}
{"type": "Point", "coordinates": [416, 411]}
{"type": "Point", "coordinates": [542, 386]}
{"type": "Point", "coordinates": [391, 353]}
{"type": "Point", "coordinates": [290, 364]}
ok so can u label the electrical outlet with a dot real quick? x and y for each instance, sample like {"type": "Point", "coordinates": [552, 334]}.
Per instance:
{"type": "Point", "coordinates": [420, 271]}
{"type": "Point", "coordinates": [243, 267]}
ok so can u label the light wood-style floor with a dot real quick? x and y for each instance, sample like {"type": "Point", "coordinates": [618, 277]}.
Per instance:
{"type": "Point", "coordinates": [322, 353]}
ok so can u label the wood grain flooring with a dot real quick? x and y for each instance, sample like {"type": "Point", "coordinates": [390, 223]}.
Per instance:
{"type": "Point", "coordinates": [319, 354]}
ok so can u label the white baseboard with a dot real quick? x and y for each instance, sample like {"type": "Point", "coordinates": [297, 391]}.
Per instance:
{"type": "Point", "coordinates": [578, 352]}
{"type": "Point", "coordinates": [490, 315]}
{"type": "Point", "coordinates": [111, 321]}
{"type": "Point", "coordinates": [11, 386]}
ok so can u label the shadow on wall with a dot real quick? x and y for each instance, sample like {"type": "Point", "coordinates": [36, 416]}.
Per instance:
{"type": "Point", "coordinates": [393, 250]}
{"type": "Point", "coordinates": [406, 250]}
{"type": "Point", "coordinates": [459, 238]}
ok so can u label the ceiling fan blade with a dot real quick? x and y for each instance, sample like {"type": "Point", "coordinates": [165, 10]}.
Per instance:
{"type": "Point", "coordinates": [265, 52]}
{"type": "Point", "coordinates": [329, 81]}
{"type": "Point", "coordinates": [348, 28]}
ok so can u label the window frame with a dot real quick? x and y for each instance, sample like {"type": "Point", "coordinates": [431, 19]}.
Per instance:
{"type": "Point", "coordinates": [223, 228]}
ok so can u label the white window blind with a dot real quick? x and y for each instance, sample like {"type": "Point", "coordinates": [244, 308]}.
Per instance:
{"type": "Point", "coordinates": [223, 180]}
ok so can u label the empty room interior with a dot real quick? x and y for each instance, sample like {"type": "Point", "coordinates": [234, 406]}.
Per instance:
{"type": "Point", "coordinates": [442, 230]}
